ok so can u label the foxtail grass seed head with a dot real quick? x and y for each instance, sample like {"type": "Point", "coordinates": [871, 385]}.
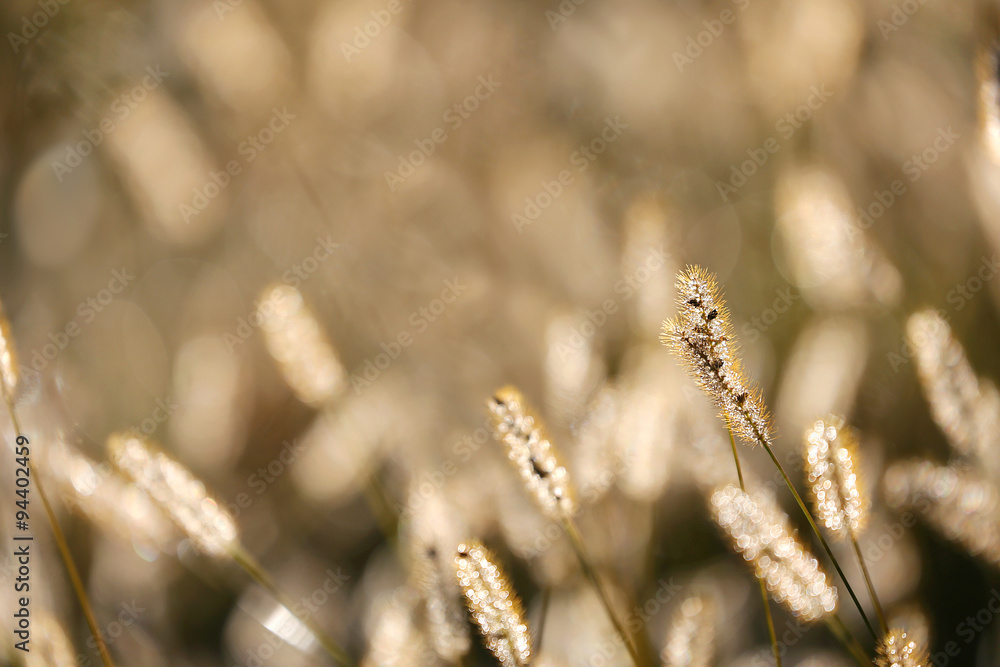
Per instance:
{"type": "Point", "coordinates": [101, 495]}
{"type": "Point", "coordinates": [179, 493]}
{"type": "Point", "coordinates": [8, 357]}
{"type": "Point", "coordinates": [448, 629]}
{"type": "Point", "coordinates": [966, 411]}
{"type": "Point", "coordinates": [531, 452]}
{"type": "Point", "coordinates": [896, 649]}
{"type": "Point", "coordinates": [493, 604]}
{"type": "Point", "coordinates": [958, 503]}
{"type": "Point", "coordinates": [832, 473]}
{"type": "Point", "coordinates": [702, 336]}
{"type": "Point", "coordinates": [299, 346]}
{"type": "Point", "coordinates": [761, 533]}
{"type": "Point", "coordinates": [691, 635]}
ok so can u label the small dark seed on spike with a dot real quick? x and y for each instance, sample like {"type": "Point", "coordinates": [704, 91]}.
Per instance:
{"type": "Point", "coordinates": [712, 315]}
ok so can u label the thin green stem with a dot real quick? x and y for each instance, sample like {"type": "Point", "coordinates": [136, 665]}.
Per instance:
{"type": "Point", "coordinates": [257, 572]}
{"type": "Point", "coordinates": [588, 569]}
{"type": "Point", "coordinates": [840, 630]}
{"type": "Point", "coordinates": [763, 588]}
{"type": "Point", "coordinates": [60, 539]}
{"type": "Point", "coordinates": [543, 616]}
{"type": "Point", "coordinates": [871, 587]}
{"type": "Point", "coordinates": [822, 540]}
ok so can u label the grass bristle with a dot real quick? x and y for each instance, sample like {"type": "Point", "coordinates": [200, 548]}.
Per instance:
{"type": "Point", "coordinates": [531, 452]}
{"type": "Point", "coordinates": [702, 337]}
{"type": "Point", "coordinates": [493, 604]}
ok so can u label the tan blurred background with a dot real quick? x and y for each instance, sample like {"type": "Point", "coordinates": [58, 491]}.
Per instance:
{"type": "Point", "coordinates": [470, 194]}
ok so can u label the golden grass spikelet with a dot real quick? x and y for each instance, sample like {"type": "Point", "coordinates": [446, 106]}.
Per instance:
{"type": "Point", "coordinates": [446, 622]}
{"type": "Point", "coordinates": [896, 649]}
{"type": "Point", "coordinates": [691, 634]}
{"type": "Point", "coordinates": [179, 493]}
{"type": "Point", "coordinates": [300, 347]}
{"type": "Point", "coordinates": [531, 452]}
{"type": "Point", "coordinates": [493, 604]}
{"type": "Point", "coordinates": [966, 409]}
{"type": "Point", "coordinates": [101, 495]}
{"type": "Point", "coordinates": [8, 356]}
{"type": "Point", "coordinates": [702, 337]}
{"type": "Point", "coordinates": [830, 450]}
{"type": "Point", "coordinates": [760, 532]}
{"type": "Point", "coordinates": [958, 503]}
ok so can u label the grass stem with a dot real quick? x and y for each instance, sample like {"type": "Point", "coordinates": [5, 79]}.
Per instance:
{"type": "Point", "coordinates": [763, 588]}
{"type": "Point", "coordinates": [588, 569]}
{"type": "Point", "coordinates": [840, 631]}
{"type": "Point", "coordinates": [822, 540]}
{"type": "Point", "coordinates": [871, 587]}
{"type": "Point", "coordinates": [257, 572]}
{"type": "Point", "coordinates": [64, 552]}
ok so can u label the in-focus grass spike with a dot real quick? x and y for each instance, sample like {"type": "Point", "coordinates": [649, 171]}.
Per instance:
{"type": "Point", "coordinates": [493, 604]}
{"type": "Point", "coordinates": [702, 337]}
{"type": "Point", "coordinates": [832, 472]}
{"type": "Point", "coordinates": [8, 385]}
